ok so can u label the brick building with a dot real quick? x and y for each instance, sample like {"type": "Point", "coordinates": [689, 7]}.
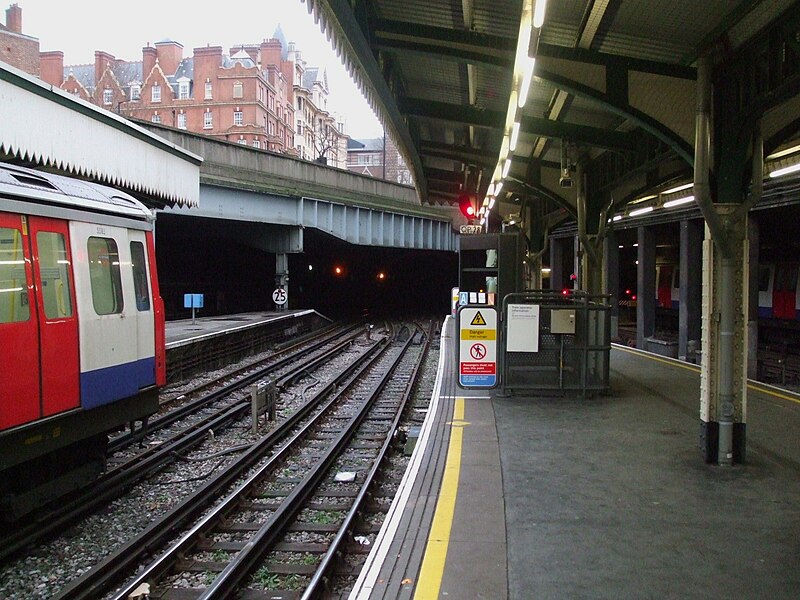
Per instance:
{"type": "Point", "coordinates": [16, 48]}
{"type": "Point", "coordinates": [262, 95]}
{"type": "Point", "coordinates": [378, 157]}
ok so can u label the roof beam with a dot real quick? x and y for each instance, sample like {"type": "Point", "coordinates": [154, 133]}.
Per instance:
{"type": "Point", "coordinates": [647, 123]}
{"type": "Point", "coordinates": [461, 44]}
{"type": "Point", "coordinates": [469, 115]}
{"type": "Point", "coordinates": [498, 51]}
{"type": "Point", "coordinates": [629, 63]}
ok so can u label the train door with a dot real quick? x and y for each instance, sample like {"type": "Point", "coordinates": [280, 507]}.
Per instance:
{"type": "Point", "coordinates": [19, 328]}
{"type": "Point", "coordinates": [664, 289]}
{"type": "Point", "coordinates": [765, 291]}
{"type": "Point", "coordinates": [110, 369]}
{"type": "Point", "coordinates": [784, 292]}
{"type": "Point", "coordinates": [58, 323]}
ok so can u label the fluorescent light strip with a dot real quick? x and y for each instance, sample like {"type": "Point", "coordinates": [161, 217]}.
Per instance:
{"type": "Point", "coordinates": [785, 171]}
{"type": "Point", "coordinates": [640, 211]}
{"type": "Point", "coordinates": [678, 201]}
{"type": "Point", "coordinates": [512, 145]}
{"type": "Point", "coordinates": [538, 14]}
{"type": "Point", "coordinates": [680, 188]}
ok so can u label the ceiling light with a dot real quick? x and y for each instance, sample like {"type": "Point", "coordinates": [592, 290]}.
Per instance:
{"type": "Point", "coordinates": [497, 188]}
{"type": "Point", "coordinates": [506, 168]}
{"type": "Point", "coordinates": [641, 211]}
{"type": "Point", "coordinates": [785, 171]}
{"type": "Point", "coordinates": [680, 188]}
{"type": "Point", "coordinates": [514, 136]}
{"type": "Point", "coordinates": [617, 218]}
{"type": "Point", "coordinates": [527, 75]}
{"type": "Point", "coordinates": [538, 13]}
{"type": "Point", "coordinates": [678, 201]}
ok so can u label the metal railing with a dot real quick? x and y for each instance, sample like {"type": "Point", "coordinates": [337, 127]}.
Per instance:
{"type": "Point", "coordinates": [571, 352]}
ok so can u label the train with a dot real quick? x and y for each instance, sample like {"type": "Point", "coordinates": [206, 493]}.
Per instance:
{"type": "Point", "coordinates": [778, 294]}
{"type": "Point", "coordinates": [82, 333]}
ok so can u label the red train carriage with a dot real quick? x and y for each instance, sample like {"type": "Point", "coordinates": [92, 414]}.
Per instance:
{"type": "Point", "coordinates": [81, 330]}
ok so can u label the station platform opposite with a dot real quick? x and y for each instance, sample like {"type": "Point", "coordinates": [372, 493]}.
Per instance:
{"type": "Point", "coordinates": [204, 344]}
{"type": "Point", "coordinates": [552, 497]}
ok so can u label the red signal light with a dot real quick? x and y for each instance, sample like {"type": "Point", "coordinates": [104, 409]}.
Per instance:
{"type": "Point", "coordinates": [466, 206]}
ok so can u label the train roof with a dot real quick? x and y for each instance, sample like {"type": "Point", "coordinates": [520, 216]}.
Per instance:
{"type": "Point", "coordinates": [23, 184]}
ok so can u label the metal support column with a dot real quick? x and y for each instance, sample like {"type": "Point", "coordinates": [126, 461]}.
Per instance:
{"type": "Point", "coordinates": [282, 277]}
{"type": "Point", "coordinates": [557, 263]}
{"type": "Point", "coordinates": [690, 283]}
{"type": "Point", "coordinates": [645, 287]}
{"type": "Point", "coordinates": [611, 279]}
{"type": "Point", "coordinates": [752, 316]}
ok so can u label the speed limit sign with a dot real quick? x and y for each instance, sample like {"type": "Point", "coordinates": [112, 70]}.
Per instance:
{"type": "Point", "coordinates": [279, 296]}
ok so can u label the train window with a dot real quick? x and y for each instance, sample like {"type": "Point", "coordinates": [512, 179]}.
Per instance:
{"type": "Point", "coordinates": [14, 305]}
{"type": "Point", "coordinates": [676, 278]}
{"type": "Point", "coordinates": [54, 274]}
{"type": "Point", "coordinates": [104, 275]}
{"type": "Point", "coordinates": [763, 278]}
{"type": "Point", "coordinates": [140, 286]}
{"type": "Point", "coordinates": [785, 278]}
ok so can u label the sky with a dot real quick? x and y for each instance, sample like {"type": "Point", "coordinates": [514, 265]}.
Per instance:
{"type": "Point", "coordinates": [79, 27]}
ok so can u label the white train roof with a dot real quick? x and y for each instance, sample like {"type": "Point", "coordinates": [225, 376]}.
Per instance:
{"type": "Point", "coordinates": [29, 185]}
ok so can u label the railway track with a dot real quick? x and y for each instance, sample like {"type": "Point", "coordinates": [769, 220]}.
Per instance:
{"type": "Point", "coordinates": [132, 465]}
{"type": "Point", "coordinates": [283, 486]}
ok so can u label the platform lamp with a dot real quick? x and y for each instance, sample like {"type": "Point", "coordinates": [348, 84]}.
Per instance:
{"type": "Point", "coordinates": [466, 206]}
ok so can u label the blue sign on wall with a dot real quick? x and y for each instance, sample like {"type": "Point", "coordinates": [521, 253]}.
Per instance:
{"type": "Point", "coordinates": [193, 301]}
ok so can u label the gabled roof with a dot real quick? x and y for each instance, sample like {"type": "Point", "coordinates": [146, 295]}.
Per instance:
{"type": "Point", "coordinates": [369, 145]}
{"type": "Point", "coordinates": [83, 73]}
{"type": "Point", "coordinates": [241, 57]}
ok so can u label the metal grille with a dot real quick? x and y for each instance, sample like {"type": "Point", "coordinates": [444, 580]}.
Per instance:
{"type": "Point", "coordinates": [565, 362]}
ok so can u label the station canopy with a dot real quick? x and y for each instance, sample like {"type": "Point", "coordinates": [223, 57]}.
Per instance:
{"type": "Point", "coordinates": [481, 91]}
{"type": "Point", "coordinates": [44, 127]}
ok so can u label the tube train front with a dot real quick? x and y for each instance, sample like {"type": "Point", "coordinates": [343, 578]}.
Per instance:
{"type": "Point", "coordinates": [81, 330]}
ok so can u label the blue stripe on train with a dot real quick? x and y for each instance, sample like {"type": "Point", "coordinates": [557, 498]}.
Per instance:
{"type": "Point", "coordinates": [107, 385]}
{"type": "Point", "coordinates": [765, 312]}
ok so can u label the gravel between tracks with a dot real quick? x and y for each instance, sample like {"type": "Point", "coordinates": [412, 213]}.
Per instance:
{"type": "Point", "coordinates": [49, 567]}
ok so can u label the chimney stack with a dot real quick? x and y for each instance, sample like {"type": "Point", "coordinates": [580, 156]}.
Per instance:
{"type": "Point", "coordinates": [14, 18]}
{"type": "Point", "coordinates": [52, 67]}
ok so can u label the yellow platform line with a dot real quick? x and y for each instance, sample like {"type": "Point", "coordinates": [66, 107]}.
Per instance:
{"type": "Point", "coordinates": [430, 576]}
{"type": "Point", "coordinates": [695, 369]}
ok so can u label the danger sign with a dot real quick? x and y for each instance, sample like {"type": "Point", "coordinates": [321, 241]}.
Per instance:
{"type": "Point", "coordinates": [477, 358]}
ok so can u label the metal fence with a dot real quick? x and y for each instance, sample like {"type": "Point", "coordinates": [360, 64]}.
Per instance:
{"type": "Point", "coordinates": [557, 343]}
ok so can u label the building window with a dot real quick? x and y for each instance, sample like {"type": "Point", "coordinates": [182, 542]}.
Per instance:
{"type": "Point", "coordinates": [182, 120]}
{"type": "Point", "coordinates": [108, 96]}
{"type": "Point", "coordinates": [104, 275]}
{"type": "Point", "coordinates": [299, 128]}
{"type": "Point", "coordinates": [156, 118]}
{"type": "Point", "coordinates": [208, 120]}
{"type": "Point", "coordinates": [136, 91]}
{"type": "Point", "coordinates": [241, 141]}
{"type": "Point", "coordinates": [156, 93]}
{"type": "Point", "coordinates": [237, 89]}
{"type": "Point", "coordinates": [271, 128]}
{"type": "Point", "coordinates": [256, 143]}
{"type": "Point", "coordinates": [183, 90]}
{"type": "Point", "coordinates": [365, 159]}
{"type": "Point", "coordinates": [238, 117]}
{"type": "Point", "coordinates": [208, 90]}
{"type": "Point", "coordinates": [272, 103]}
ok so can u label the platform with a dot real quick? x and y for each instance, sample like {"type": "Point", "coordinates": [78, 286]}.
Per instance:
{"type": "Point", "coordinates": [208, 343]}
{"type": "Point", "coordinates": [188, 331]}
{"type": "Point", "coordinates": [538, 498]}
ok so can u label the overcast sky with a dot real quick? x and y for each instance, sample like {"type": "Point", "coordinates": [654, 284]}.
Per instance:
{"type": "Point", "coordinates": [79, 27]}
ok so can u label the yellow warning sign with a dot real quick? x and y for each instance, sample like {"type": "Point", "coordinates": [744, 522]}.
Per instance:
{"type": "Point", "coordinates": [478, 319]}
{"type": "Point", "coordinates": [478, 334]}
